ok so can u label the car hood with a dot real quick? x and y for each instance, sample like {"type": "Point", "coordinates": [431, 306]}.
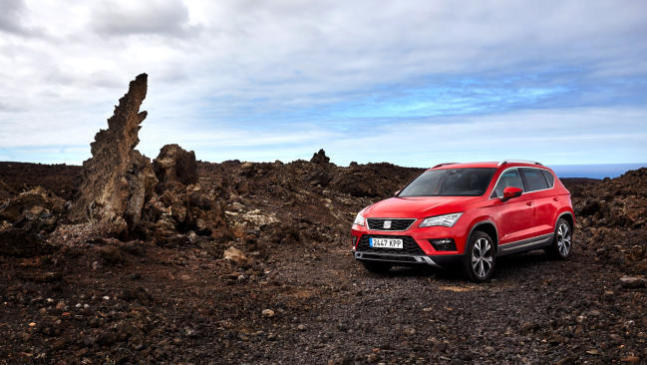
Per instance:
{"type": "Point", "coordinates": [418, 207]}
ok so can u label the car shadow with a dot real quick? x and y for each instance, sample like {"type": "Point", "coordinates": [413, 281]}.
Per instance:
{"type": "Point", "coordinates": [516, 265]}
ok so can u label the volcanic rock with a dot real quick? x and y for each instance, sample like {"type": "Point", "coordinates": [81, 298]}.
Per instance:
{"type": "Point", "coordinates": [34, 210]}
{"type": "Point", "coordinates": [6, 191]}
{"type": "Point", "coordinates": [235, 255]}
{"type": "Point", "coordinates": [633, 282]}
{"type": "Point", "coordinates": [320, 157]}
{"type": "Point", "coordinates": [175, 165]}
{"type": "Point", "coordinates": [25, 219]}
{"type": "Point", "coordinates": [117, 180]}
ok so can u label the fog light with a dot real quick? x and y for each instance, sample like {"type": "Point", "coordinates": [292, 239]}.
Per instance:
{"type": "Point", "coordinates": [444, 244]}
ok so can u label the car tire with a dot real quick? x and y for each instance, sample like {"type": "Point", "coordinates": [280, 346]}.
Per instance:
{"type": "Point", "coordinates": [377, 267]}
{"type": "Point", "coordinates": [562, 241]}
{"type": "Point", "coordinates": [480, 257]}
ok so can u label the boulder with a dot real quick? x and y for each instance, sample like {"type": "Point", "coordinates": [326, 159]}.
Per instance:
{"type": "Point", "coordinates": [35, 210]}
{"type": "Point", "coordinates": [117, 180]}
{"type": "Point", "coordinates": [175, 165]}
{"type": "Point", "coordinates": [26, 220]}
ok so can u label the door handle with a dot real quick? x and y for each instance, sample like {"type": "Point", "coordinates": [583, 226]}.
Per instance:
{"type": "Point", "coordinates": [528, 203]}
{"type": "Point", "coordinates": [555, 199]}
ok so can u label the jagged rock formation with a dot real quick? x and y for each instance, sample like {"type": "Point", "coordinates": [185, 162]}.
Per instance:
{"type": "Point", "coordinates": [123, 194]}
{"type": "Point", "coordinates": [320, 157]}
{"type": "Point", "coordinates": [117, 180]}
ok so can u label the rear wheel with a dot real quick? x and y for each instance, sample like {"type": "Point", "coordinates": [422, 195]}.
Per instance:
{"type": "Point", "coordinates": [377, 267]}
{"type": "Point", "coordinates": [479, 258]}
{"type": "Point", "coordinates": [563, 240]}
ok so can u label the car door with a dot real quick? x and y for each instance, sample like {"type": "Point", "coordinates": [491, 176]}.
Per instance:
{"type": "Point", "coordinates": [514, 216]}
{"type": "Point", "coordinates": [539, 189]}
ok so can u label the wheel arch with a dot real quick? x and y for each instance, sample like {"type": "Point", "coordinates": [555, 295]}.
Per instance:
{"type": "Point", "coordinates": [568, 216]}
{"type": "Point", "coordinates": [488, 227]}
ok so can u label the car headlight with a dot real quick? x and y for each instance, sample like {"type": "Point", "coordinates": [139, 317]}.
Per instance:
{"type": "Point", "coordinates": [447, 220]}
{"type": "Point", "coordinates": [359, 220]}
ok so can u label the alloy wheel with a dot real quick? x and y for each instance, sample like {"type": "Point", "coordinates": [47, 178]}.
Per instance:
{"type": "Point", "coordinates": [564, 239]}
{"type": "Point", "coordinates": [482, 257]}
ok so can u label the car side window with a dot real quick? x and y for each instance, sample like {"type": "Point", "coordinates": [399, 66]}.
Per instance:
{"type": "Point", "coordinates": [549, 178]}
{"type": "Point", "coordinates": [509, 178]}
{"type": "Point", "coordinates": [534, 179]}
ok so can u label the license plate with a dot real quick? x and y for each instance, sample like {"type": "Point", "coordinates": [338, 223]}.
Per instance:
{"type": "Point", "coordinates": [385, 242]}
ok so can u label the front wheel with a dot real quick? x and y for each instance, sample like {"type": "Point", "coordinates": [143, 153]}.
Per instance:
{"type": "Point", "coordinates": [480, 257]}
{"type": "Point", "coordinates": [562, 242]}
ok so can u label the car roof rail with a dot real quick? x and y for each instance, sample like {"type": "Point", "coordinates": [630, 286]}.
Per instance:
{"type": "Point", "coordinates": [520, 161]}
{"type": "Point", "coordinates": [444, 163]}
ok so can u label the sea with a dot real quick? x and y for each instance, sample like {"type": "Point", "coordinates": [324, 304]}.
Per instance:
{"type": "Point", "coordinates": [598, 171]}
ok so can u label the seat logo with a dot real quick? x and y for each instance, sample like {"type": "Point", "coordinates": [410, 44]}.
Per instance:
{"type": "Point", "coordinates": [387, 224]}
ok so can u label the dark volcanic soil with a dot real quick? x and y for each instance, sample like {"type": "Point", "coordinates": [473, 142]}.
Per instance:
{"type": "Point", "coordinates": [301, 298]}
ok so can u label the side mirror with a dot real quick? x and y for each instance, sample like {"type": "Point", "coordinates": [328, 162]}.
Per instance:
{"type": "Point", "coordinates": [511, 192]}
{"type": "Point", "coordinates": [396, 193]}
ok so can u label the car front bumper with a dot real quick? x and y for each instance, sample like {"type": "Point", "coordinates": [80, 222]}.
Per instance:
{"type": "Point", "coordinates": [405, 259]}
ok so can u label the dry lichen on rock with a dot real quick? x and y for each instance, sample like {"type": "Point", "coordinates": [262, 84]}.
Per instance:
{"type": "Point", "coordinates": [117, 179]}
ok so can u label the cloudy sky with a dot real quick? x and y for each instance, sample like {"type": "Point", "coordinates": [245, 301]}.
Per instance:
{"type": "Point", "coordinates": [410, 82]}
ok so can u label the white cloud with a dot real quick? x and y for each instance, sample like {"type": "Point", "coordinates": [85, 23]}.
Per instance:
{"type": "Point", "coordinates": [63, 64]}
{"type": "Point", "coordinates": [158, 17]}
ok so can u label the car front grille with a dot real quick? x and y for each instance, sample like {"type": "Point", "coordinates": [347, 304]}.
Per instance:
{"type": "Point", "coordinates": [409, 245]}
{"type": "Point", "coordinates": [396, 224]}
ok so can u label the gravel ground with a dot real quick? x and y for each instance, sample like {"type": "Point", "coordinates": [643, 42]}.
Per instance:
{"type": "Point", "coordinates": [176, 306]}
{"type": "Point", "coordinates": [299, 296]}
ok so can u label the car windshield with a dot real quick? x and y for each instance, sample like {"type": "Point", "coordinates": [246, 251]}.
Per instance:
{"type": "Point", "coordinates": [450, 182]}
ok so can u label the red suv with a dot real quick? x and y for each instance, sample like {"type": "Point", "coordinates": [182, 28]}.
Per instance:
{"type": "Point", "coordinates": [470, 213]}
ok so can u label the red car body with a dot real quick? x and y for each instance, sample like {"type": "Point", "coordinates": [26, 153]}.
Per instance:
{"type": "Point", "coordinates": [515, 224]}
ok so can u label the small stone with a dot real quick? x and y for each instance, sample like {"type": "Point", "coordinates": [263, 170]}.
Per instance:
{"type": "Point", "coordinates": [301, 327]}
{"type": "Point", "coordinates": [235, 255]}
{"type": "Point", "coordinates": [32, 324]}
{"type": "Point", "coordinates": [631, 359]}
{"type": "Point", "coordinates": [267, 313]}
{"type": "Point", "coordinates": [60, 305]}
{"type": "Point", "coordinates": [633, 282]}
{"type": "Point", "coordinates": [105, 297]}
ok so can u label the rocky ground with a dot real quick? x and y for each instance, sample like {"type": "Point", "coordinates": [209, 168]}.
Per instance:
{"type": "Point", "coordinates": [294, 293]}
{"type": "Point", "coordinates": [173, 260]}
